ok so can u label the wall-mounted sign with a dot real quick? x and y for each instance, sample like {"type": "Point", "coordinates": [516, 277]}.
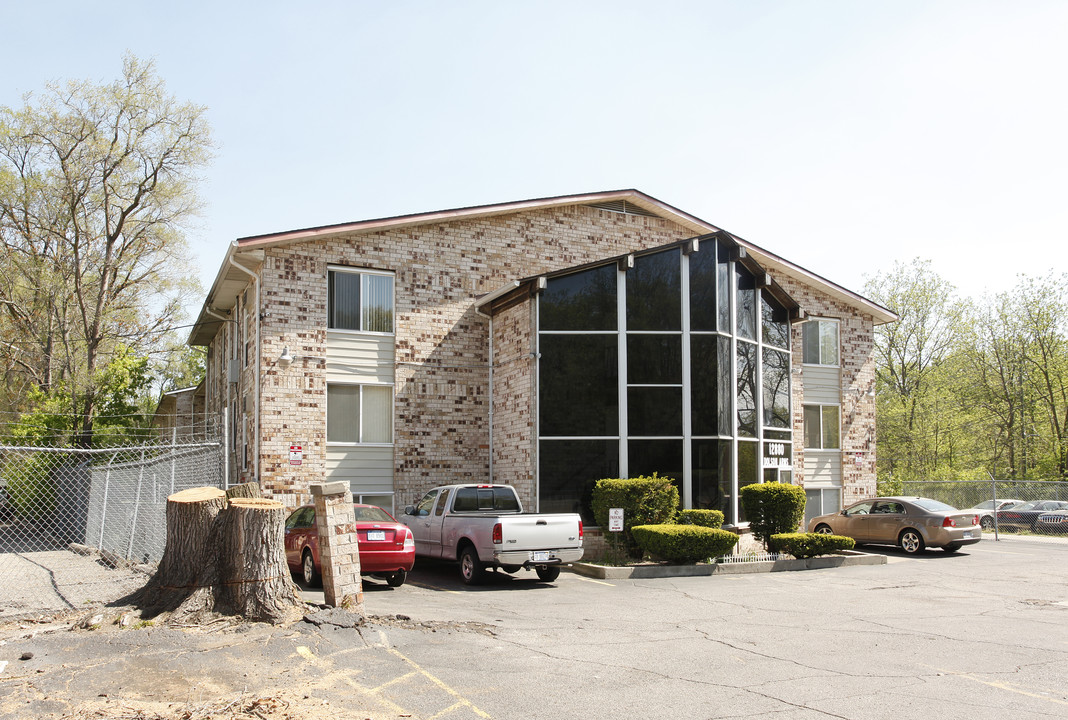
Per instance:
{"type": "Point", "coordinates": [776, 455]}
{"type": "Point", "coordinates": [296, 454]}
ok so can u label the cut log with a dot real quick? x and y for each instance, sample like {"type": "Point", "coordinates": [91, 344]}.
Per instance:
{"type": "Point", "coordinates": [255, 582]}
{"type": "Point", "coordinates": [245, 490]}
{"type": "Point", "coordinates": [191, 516]}
{"type": "Point", "coordinates": [223, 557]}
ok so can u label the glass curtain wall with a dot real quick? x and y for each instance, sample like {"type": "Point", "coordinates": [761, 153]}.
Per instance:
{"type": "Point", "coordinates": [678, 365]}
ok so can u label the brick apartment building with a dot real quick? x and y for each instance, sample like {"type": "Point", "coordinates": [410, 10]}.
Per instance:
{"type": "Point", "coordinates": [543, 343]}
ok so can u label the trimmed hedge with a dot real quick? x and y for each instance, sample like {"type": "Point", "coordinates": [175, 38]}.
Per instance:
{"type": "Point", "coordinates": [704, 518]}
{"type": "Point", "coordinates": [645, 501]}
{"type": "Point", "coordinates": [684, 543]}
{"type": "Point", "coordinates": [807, 545]}
{"type": "Point", "coordinates": [773, 508]}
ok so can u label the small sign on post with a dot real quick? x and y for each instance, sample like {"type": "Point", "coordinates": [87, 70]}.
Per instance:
{"type": "Point", "coordinates": [615, 519]}
{"type": "Point", "coordinates": [296, 454]}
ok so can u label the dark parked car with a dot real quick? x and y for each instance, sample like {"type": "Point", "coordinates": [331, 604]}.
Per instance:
{"type": "Point", "coordinates": [1024, 517]}
{"type": "Point", "coordinates": [387, 548]}
{"type": "Point", "coordinates": [1054, 521]}
{"type": "Point", "coordinates": [911, 523]}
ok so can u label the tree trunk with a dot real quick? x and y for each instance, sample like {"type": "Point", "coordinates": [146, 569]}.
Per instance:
{"type": "Point", "coordinates": [222, 557]}
{"type": "Point", "coordinates": [191, 515]}
{"type": "Point", "coordinates": [245, 490]}
{"type": "Point", "coordinates": [254, 578]}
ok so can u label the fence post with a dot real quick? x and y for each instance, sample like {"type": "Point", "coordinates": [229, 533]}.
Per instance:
{"type": "Point", "coordinates": [174, 458]}
{"type": "Point", "coordinates": [104, 504]}
{"type": "Point", "coordinates": [137, 505]}
{"type": "Point", "coordinates": [226, 448]}
{"type": "Point", "coordinates": [994, 496]}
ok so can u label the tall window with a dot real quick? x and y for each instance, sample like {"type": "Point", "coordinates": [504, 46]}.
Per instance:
{"type": "Point", "coordinates": [360, 301]}
{"type": "Point", "coordinates": [359, 413]}
{"type": "Point", "coordinates": [820, 342]}
{"type": "Point", "coordinates": [821, 427]}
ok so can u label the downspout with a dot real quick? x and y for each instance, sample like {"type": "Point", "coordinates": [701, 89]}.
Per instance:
{"type": "Point", "coordinates": [226, 403]}
{"type": "Point", "coordinates": [259, 350]}
{"type": "Point", "coordinates": [490, 318]}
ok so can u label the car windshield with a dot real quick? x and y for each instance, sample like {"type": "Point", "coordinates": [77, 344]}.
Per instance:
{"type": "Point", "coordinates": [933, 505]}
{"type": "Point", "coordinates": [367, 513]}
{"type": "Point", "coordinates": [988, 505]}
{"type": "Point", "coordinates": [1025, 506]}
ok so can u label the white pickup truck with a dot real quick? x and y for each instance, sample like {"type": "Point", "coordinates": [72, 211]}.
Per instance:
{"type": "Point", "coordinates": [484, 526]}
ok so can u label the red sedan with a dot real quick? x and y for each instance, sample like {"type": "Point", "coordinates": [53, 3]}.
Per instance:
{"type": "Point", "coordinates": [387, 547]}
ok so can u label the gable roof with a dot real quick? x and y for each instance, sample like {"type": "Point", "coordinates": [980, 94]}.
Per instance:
{"type": "Point", "coordinates": [246, 253]}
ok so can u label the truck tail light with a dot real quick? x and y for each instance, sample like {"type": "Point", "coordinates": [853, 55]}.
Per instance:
{"type": "Point", "coordinates": [498, 536]}
{"type": "Point", "coordinates": [409, 539]}
{"type": "Point", "coordinates": [948, 522]}
{"type": "Point", "coordinates": [580, 529]}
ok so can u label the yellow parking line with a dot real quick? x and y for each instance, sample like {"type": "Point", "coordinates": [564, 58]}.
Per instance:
{"type": "Point", "coordinates": [1004, 686]}
{"type": "Point", "coordinates": [401, 678]}
{"type": "Point", "coordinates": [461, 700]}
{"type": "Point", "coordinates": [428, 586]}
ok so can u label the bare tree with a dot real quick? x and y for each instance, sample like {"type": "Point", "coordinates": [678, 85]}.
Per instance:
{"type": "Point", "coordinates": [97, 185]}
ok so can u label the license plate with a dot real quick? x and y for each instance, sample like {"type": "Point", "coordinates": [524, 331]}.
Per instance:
{"type": "Point", "coordinates": [968, 535]}
{"type": "Point", "coordinates": [541, 556]}
{"type": "Point", "coordinates": [376, 534]}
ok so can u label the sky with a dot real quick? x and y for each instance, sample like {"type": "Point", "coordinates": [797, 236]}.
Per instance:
{"type": "Point", "coordinates": [844, 136]}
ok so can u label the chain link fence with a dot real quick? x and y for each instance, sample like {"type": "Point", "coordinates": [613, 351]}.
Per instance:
{"type": "Point", "coordinates": [87, 526]}
{"type": "Point", "coordinates": [1036, 509]}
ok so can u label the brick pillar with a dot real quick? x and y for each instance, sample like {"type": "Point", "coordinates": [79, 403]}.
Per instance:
{"type": "Point", "coordinates": [339, 555]}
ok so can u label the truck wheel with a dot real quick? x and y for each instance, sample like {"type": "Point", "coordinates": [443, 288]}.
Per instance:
{"type": "Point", "coordinates": [548, 573]}
{"type": "Point", "coordinates": [470, 566]}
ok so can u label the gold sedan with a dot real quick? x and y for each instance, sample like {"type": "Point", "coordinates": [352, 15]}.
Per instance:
{"type": "Point", "coordinates": [911, 523]}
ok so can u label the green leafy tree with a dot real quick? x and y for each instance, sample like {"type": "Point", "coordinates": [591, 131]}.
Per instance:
{"type": "Point", "coordinates": [97, 185]}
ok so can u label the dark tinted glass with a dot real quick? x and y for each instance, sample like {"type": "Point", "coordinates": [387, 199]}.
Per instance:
{"type": "Point", "coordinates": [710, 398]}
{"type": "Point", "coordinates": [747, 391]}
{"type": "Point", "coordinates": [654, 411]}
{"type": "Point", "coordinates": [810, 342]}
{"type": "Point", "coordinates": [663, 457]}
{"type": "Point", "coordinates": [746, 304]}
{"type": "Point", "coordinates": [654, 359]}
{"type": "Point", "coordinates": [775, 322]}
{"type": "Point", "coordinates": [748, 469]}
{"type": "Point", "coordinates": [578, 393]}
{"type": "Point", "coordinates": [581, 301]}
{"type": "Point", "coordinates": [723, 279]}
{"type": "Point", "coordinates": [654, 292]}
{"type": "Point", "coordinates": [703, 287]}
{"type": "Point", "coordinates": [568, 470]}
{"type": "Point", "coordinates": [783, 435]}
{"type": "Point", "coordinates": [711, 485]}
{"type": "Point", "coordinates": [776, 378]}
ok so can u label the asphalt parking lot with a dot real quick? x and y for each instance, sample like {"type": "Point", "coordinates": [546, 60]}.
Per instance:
{"type": "Point", "coordinates": [981, 634]}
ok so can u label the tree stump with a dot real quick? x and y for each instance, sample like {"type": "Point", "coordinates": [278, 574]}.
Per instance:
{"type": "Point", "coordinates": [244, 490]}
{"type": "Point", "coordinates": [191, 515]}
{"type": "Point", "coordinates": [254, 579]}
{"type": "Point", "coordinates": [225, 557]}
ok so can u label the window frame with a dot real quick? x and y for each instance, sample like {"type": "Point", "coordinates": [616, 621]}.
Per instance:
{"type": "Point", "coordinates": [819, 321]}
{"type": "Point", "coordinates": [362, 273]}
{"type": "Point", "coordinates": [822, 432]}
{"type": "Point", "coordinates": [359, 430]}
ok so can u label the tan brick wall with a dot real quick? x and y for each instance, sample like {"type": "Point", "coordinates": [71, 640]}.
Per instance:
{"type": "Point", "coordinates": [441, 390]}
{"type": "Point", "coordinates": [514, 400]}
{"type": "Point", "coordinates": [857, 378]}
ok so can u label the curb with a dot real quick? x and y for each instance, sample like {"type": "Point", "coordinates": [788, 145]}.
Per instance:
{"type": "Point", "coordinates": [605, 572]}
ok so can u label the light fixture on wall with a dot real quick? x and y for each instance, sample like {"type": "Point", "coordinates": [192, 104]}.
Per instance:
{"type": "Point", "coordinates": [285, 359]}
{"type": "Point", "coordinates": [871, 392]}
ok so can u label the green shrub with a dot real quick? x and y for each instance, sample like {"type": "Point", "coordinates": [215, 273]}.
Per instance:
{"type": "Point", "coordinates": [645, 501]}
{"type": "Point", "coordinates": [684, 543]}
{"type": "Point", "coordinates": [704, 518]}
{"type": "Point", "coordinates": [773, 508]}
{"type": "Point", "coordinates": [806, 545]}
